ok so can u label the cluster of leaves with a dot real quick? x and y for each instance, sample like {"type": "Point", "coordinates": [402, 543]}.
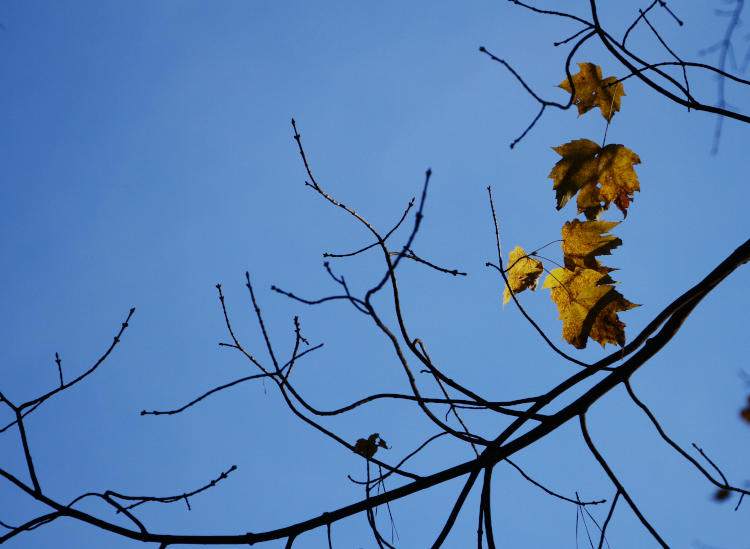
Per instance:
{"type": "Point", "coordinates": [582, 288]}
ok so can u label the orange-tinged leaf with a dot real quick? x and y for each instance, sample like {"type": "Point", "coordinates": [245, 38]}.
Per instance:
{"type": "Point", "coordinates": [583, 241]}
{"type": "Point", "coordinates": [602, 175]}
{"type": "Point", "coordinates": [523, 273]}
{"type": "Point", "coordinates": [588, 306]}
{"type": "Point", "coordinates": [617, 176]}
{"type": "Point", "coordinates": [591, 91]}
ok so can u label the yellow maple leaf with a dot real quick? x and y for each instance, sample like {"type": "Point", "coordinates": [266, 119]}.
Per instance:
{"type": "Point", "coordinates": [583, 241]}
{"type": "Point", "coordinates": [588, 306]}
{"type": "Point", "coordinates": [565, 284]}
{"type": "Point", "coordinates": [580, 315]}
{"type": "Point", "coordinates": [591, 91]}
{"type": "Point", "coordinates": [602, 175]}
{"type": "Point", "coordinates": [608, 328]}
{"type": "Point", "coordinates": [578, 168]}
{"type": "Point", "coordinates": [589, 202]}
{"type": "Point", "coordinates": [523, 273]}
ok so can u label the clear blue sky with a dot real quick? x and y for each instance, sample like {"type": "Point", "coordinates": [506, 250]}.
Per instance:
{"type": "Point", "coordinates": [147, 154]}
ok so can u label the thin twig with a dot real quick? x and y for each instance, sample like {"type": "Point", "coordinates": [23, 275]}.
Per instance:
{"type": "Point", "coordinates": [550, 492]}
{"type": "Point", "coordinates": [370, 246]}
{"type": "Point", "coordinates": [605, 466]}
{"type": "Point", "coordinates": [409, 254]}
{"type": "Point", "coordinates": [603, 537]}
{"type": "Point", "coordinates": [725, 485]}
{"type": "Point", "coordinates": [515, 299]}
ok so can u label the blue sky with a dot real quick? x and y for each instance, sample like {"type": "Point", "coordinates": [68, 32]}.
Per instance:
{"type": "Point", "coordinates": [147, 155]}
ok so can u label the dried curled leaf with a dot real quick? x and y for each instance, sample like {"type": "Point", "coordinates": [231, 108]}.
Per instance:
{"type": "Point", "coordinates": [591, 91]}
{"type": "Point", "coordinates": [523, 273]}
{"type": "Point", "coordinates": [367, 447]}
{"type": "Point", "coordinates": [745, 413]}
{"type": "Point", "coordinates": [721, 494]}
{"type": "Point", "coordinates": [602, 175]}
{"type": "Point", "coordinates": [588, 305]}
{"type": "Point", "coordinates": [583, 241]}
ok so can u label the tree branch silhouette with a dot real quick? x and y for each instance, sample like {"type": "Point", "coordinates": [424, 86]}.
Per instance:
{"type": "Point", "coordinates": [517, 421]}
